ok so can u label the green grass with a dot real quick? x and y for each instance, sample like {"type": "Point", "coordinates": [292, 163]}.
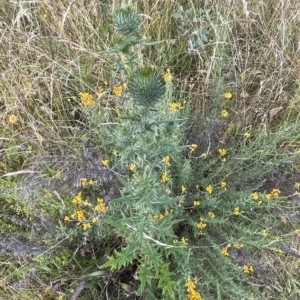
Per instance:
{"type": "Point", "coordinates": [50, 53]}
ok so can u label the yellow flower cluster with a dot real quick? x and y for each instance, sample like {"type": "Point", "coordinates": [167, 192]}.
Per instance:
{"type": "Point", "coordinates": [238, 245]}
{"type": "Point", "coordinates": [85, 181]}
{"type": "Point", "coordinates": [86, 226]}
{"type": "Point", "coordinates": [77, 198]}
{"type": "Point", "coordinates": [196, 203]}
{"type": "Point", "coordinates": [164, 177]}
{"type": "Point", "coordinates": [224, 113]}
{"type": "Point", "coordinates": [192, 148]}
{"type": "Point", "coordinates": [168, 76]}
{"type": "Point", "coordinates": [211, 214]}
{"type": "Point", "coordinates": [248, 269]}
{"type": "Point", "coordinates": [237, 211]}
{"type": "Point", "coordinates": [276, 192]}
{"type": "Point", "coordinates": [101, 206]}
{"type": "Point", "coordinates": [201, 225]}
{"type": "Point", "coordinates": [166, 160]}
{"type": "Point", "coordinates": [79, 213]}
{"type": "Point", "coordinates": [264, 233]}
{"type": "Point", "coordinates": [86, 99]}
{"type": "Point", "coordinates": [175, 106]}
{"type": "Point", "coordinates": [105, 162]}
{"type": "Point", "coordinates": [191, 290]}
{"type": "Point", "coordinates": [117, 90]}
{"type": "Point", "coordinates": [224, 251]}
{"type": "Point", "coordinates": [161, 216]}
{"type": "Point", "coordinates": [228, 95]}
{"type": "Point", "coordinates": [47, 194]}
{"type": "Point", "coordinates": [132, 167]}
{"type": "Point", "coordinates": [223, 185]}
{"type": "Point", "coordinates": [12, 119]}
{"type": "Point", "coordinates": [209, 189]}
{"type": "Point", "coordinates": [222, 152]}
{"type": "Point", "coordinates": [183, 240]}
{"type": "Point", "coordinates": [183, 189]}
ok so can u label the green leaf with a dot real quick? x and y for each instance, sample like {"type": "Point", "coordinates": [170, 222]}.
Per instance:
{"type": "Point", "coordinates": [176, 15]}
{"type": "Point", "coordinates": [144, 275]}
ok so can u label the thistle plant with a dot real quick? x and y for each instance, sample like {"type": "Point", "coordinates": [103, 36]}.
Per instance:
{"type": "Point", "coordinates": [147, 137]}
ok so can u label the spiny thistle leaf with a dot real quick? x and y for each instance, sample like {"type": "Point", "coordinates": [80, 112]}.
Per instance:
{"type": "Point", "coordinates": [126, 20]}
{"type": "Point", "coordinates": [125, 43]}
{"type": "Point", "coordinates": [146, 86]}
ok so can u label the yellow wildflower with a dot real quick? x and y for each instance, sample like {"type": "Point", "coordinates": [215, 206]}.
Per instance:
{"type": "Point", "coordinates": [168, 76]}
{"type": "Point", "coordinates": [254, 196]}
{"type": "Point", "coordinates": [192, 148]}
{"type": "Point", "coordinates": [247, 135]}
{"type": "Point", "coordinates": [223, 185]}
{"type": "Point", "coordinates": [196, 203]}
{"type": "Point", "coordinates": [154, 218]}
{"type": "Point", "coordinates": [12, 119]}
{"type": "Point", "coordinates": [183, 189]}
{"type": "Point", "coordinates": [268, 196]}
{"type": "Point", "coordinates": [86, 99]}
{"type": "Point", "coordinates": [83, 181]}
{"type": "Point", "coordinates": [297, 185]}
{"type": "Point", "coordinates": [248, 269]}
{"type": "Point", "coordinates": [132, 167]}
{"type": "Point", "coordinates": [117, 90]}
{"type": "Point", "coordinates": [183, 240]}
{"type": "Point", "coordinates": [164, 177]}
{"type": "Point", "coordinates": [228, 95]}
{"type": "Point", "coordinates": [238, 245]}
{"type": "Point", "coordinates": [95, 219]}
{"type": "Point", "coordinates": [202, 225]}
{"type": "Point", "coordinates": [77, 198]}
{"type": "Point", "coordinates": [224, 251]}
{"type": "Point", "coordinates": [237, 211]}
{"type": "Point", "coordinates": [211, 214]}
{"type": "Point", "coordinates": [264, 233]}
{"type": "Point", "coordinates": [86, 226]}
{"type": "Point", "coordinates": [175, 106]}
{"type": "Point", "coordinates": [192, 293]}
{"type": "Point", "coordinates": [47, 194]}
{"type": "Point", "coordinates": [275, 192]}
{"type": "Point", "coordinates": [67, 218]}
{"type": "Point", "coordinates": [222, 152]}
{"type": "Point", "coordinates": [224, 113]}
{"type": "Point", "coordinates": [166, 160]}
{"type": "Point", "coordinates": [209, 189]}
{"type": "Point", "coordinates": [79, 214]}
{"type": "Point", "coordinates": [101, 206]}
{"type": "Point", "coordinates": [105, 162]}
{"type": "Point", "coordinates": [204, 154]}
